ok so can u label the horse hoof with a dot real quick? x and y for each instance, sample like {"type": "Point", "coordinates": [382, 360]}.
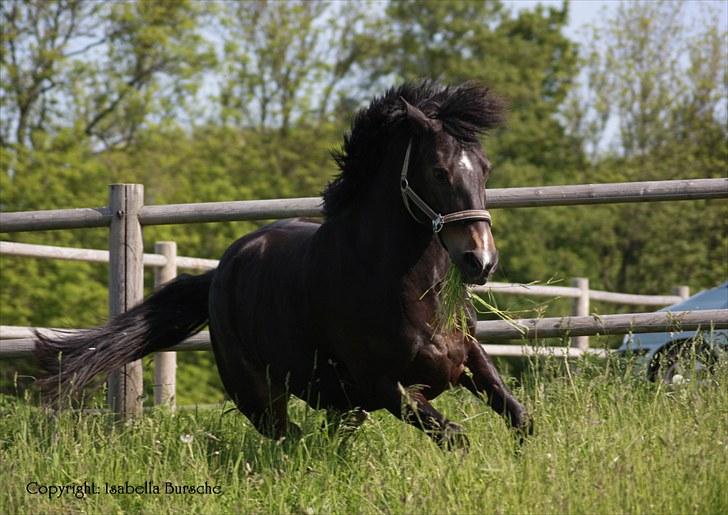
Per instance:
{"type": "Point", "coordinates": [293, 434]}
{"type": "Point", "coordinates": [453, 437]}
{"type": "Point", "coordinates": [524, 428]}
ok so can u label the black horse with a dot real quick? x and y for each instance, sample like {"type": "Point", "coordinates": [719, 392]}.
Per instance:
{"type": "Point", "coordinates": [340, 313]}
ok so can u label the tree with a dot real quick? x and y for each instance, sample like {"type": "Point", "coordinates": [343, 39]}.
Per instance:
{"type": "Point", "coordinates": [647, 73]}
{"type": "Point", "coordinates": [665, 88]}
{"type": "Point", "coordinates": [525, 58]}
{"type": "Point", "coordinates": [102, 68]}
{"type": "Point", "coordinates": [284, 62]}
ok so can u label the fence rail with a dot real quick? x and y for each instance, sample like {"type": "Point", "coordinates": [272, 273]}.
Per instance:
{"type": "Point", "coordinates": [489, 330]}
{"type": "Point", "coordinates": [311, 206]}
{"type": "Point", "coordinates": [570, 292]}
{"type": "Point", "coordinates": [12, 248]}
{"type": "Point", "coordinates": [158, 261]}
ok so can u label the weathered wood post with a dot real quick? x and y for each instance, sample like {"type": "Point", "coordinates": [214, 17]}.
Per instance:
{"type": "Point", "coordinates": [126, 288]}
{"type": "Point", "coordinates": [580, 307]}
{"type": "Point", "coordinates": [165, 363]}
{"type": "Point", "coordinates": [682, 291]}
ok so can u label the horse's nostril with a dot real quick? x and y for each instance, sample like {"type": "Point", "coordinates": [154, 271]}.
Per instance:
{"type": "Point", "coordinates": [472, 263]}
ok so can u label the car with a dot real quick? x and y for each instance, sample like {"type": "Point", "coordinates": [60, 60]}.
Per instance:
{"type": "Point", "coordinates": [677, 356]}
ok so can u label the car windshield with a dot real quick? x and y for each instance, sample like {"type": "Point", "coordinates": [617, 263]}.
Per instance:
{"type": "Point", "coordinates": [716, 298]}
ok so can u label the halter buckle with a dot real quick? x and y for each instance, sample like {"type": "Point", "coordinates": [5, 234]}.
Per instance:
{"type": "Point", "coordinates": [437, 223]}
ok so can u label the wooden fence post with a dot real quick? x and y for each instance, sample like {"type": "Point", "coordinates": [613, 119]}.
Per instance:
{"type": "Point", "coordinates": [580, 307]}
{"type": "Point", "coordinates": [682, 291]}
{"type": "Point", "coordinates": [165, 363]}
{"type": "Point", "coordinates": [126, 288]}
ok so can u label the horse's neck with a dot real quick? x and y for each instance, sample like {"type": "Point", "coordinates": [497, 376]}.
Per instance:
{"type": "Point", "coordinates": [393, 244]}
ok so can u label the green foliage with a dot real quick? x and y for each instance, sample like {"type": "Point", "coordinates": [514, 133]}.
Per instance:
{"type": "Point", "coordinates": [526, 58]}
{"type": "Point", "coordinates": [665, 86]}
{"type": "Point", "coordinates": [102, 68]}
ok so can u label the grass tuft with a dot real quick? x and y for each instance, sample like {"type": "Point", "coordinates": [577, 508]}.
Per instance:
{"type": "Point", "coordinates": [452, 312]}
{"type": "Point", "coordinates": [456, 300]}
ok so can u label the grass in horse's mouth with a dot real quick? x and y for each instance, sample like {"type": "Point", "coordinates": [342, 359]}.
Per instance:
{"type": "Point", "coordinates": [456, 299]}
{"type": "Point", "coordinates": [452, 312]}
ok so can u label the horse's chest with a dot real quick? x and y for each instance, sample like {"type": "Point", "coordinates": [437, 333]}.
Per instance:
{"type": "Point", "coordinates": [438, 364]}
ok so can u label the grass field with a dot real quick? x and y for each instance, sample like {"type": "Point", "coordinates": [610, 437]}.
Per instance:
{"type": "Point", "coordinates": [605, 442]}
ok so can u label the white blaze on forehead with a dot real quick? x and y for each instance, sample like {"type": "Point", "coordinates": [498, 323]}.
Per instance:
{"type": "Point", "coordinates": [465, 161]}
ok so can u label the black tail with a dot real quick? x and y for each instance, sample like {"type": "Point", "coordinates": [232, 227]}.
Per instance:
{"type": "Point", "coordinates": [175, 312]}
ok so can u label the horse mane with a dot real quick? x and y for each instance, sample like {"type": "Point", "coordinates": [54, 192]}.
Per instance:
{"type": "Point", "coordinates": [465, 111]}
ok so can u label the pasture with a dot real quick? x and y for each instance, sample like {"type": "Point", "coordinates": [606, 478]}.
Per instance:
{"type": "Point", "coordinates": [605, 442]}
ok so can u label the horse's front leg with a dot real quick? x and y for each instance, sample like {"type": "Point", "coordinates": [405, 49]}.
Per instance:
{"type": "Point", "coordinates": [485, 381]}
{"type": "Point", "coordinates": [345, 422]}
{"type": "Point", "coordinates": [412, 407]}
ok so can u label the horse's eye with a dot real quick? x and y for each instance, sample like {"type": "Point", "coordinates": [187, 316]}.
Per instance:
{"type": "Point", "coordinates": [440, 175]}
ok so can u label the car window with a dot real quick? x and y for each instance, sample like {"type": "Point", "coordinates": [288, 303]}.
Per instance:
{"type": "Point", "coordinates": [717, 298]}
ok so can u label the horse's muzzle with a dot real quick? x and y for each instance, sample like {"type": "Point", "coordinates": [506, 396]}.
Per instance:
{"type": "Point", "coordinates": [476, 267]}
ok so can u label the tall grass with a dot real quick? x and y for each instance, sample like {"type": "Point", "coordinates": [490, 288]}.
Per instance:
{"type": "Point", "coordinates": [605, 442]}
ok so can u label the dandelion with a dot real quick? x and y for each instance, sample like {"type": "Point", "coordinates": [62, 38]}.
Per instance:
{"type": "Point", "coordinates": [187, 438]}
{"type": "Point", "coordinates": [678, 379]}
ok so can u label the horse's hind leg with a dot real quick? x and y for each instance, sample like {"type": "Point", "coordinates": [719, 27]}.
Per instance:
{"type": "Point", "coordinates": [270, 418]}
{"type": "Point", "coordinates": [265, 405]}
{"type": "Point", "coordinates": [253, 391]}
{"type": "Point", "coordinates": [486, 381]}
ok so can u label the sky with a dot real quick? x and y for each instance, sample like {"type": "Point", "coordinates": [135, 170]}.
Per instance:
{"type": "Point", "coordinates": [585, 12]}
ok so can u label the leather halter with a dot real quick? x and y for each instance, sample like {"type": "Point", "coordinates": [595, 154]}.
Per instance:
{"type": "Point", "coordinates": [438, 220]}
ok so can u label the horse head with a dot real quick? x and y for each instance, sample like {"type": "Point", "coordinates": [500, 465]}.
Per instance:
{"type": "Point", "coordinates": [444, 173]}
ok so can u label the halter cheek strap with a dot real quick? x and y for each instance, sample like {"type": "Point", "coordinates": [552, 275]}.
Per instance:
{"type": "Point", "coordinates": [438, 220]}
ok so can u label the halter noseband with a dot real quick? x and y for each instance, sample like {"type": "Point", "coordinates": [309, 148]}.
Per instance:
{"type": "Point", "coordinates": [438, 220]}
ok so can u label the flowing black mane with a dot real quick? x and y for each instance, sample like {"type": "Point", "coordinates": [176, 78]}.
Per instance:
{"type": "Point", "coordinates": [465, 112]}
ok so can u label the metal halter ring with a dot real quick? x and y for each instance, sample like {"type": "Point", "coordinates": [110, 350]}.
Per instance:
{"type": "Point", "coordinates": [437, 223]}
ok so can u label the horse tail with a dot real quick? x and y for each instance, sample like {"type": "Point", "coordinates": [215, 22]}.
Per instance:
{"type": "Point", "coordinates": [176, 311]}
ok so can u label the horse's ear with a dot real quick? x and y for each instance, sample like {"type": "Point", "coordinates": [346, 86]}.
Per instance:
{"type": "Point", "coordinates": [420, 120]}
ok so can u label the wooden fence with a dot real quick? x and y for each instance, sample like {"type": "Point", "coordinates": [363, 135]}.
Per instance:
{"type": "Point", "coordinates": [126, 214]}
